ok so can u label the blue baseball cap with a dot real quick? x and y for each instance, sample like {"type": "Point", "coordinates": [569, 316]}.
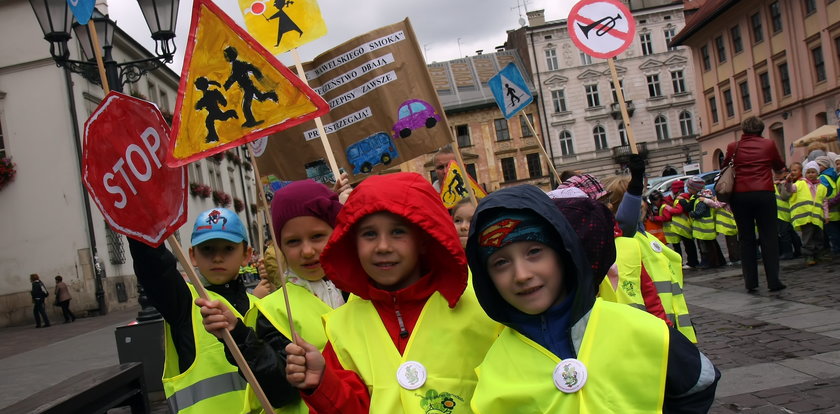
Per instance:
{"type": "Point", "coordinates": [218, 223]}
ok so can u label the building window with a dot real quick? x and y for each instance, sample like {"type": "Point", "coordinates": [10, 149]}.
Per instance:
{"type": "Point", "coordinates": [810, 6]}
{"type": "Point", "coordinates": [757, 30]}
{"type": "Point", "coordinates": [686, 126]}
{"type": "Point", "coordinates": [766, 92]}
{"type": "Point", "coordinates": [669, 34]}
{"type": "Point", "coordinates": [661, 126]}
{"type": "Point", "coordinates": [707, 60]}
{"type": "Point", "coordinates": [463, 134]}
{"type": "Point", "coordinates": [164, 101]}
{"type": "Point", "coordinates": [592, 98]}
{"type": "Point", "coordinates": [551, 59]}
{"type": "Point", "coordinates": [502, 133]}
{"type": "Point", "coordinates": [600, 137]}
{"type": "Point", "coordinates": [534, 166]}
{"type": "Point", "coordinates": [819, 63]}
{"type": "Point", "coordinates": [737, 43]}
{"type": "Point", "coordinates": [471, 170]}
{"type": "Point", "coordinates": [198, 176]}
{"type": "Point", "coordinates": [526, 131]}
{"type": "Point", "coordinates": [622, 134]}
{"type": "Point", "coordinates": [585, 59]}
{"type": "Point", "coordinates": [509, 169]}
{"type": "Point", "coordinates": [215, 175]}
{"type": "Point", "coordinates": [647, 44]}
{"type": "Point", "coordinates": [746, 103]}
{"type": "Point", "coordinates": [116, 250]}
{"type": "Point", "coordinates": [614, 93]}
{"type": "Point", "coordinates": [728, 104]}
{"type": "Point", "coordinates": [784, 79]}
{"type": "Point", "coordinates": [678, 80]}
{"type": "Point", "coordinates": [654, 90]}
{"type": "Point", "coordinates": [776, 17]}
{"type": "Point", "coordinates": [558, 97]}
{"type": "Point", "coordinates": [713, 109]}
{"type": "Point", "coordinates": [566, 147]}
{"type": "Point", "coordinates": [721, 49]}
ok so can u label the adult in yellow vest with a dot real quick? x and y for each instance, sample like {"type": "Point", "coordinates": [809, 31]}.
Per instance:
{"type": "Point", "coordinates": [562, 350]}
{"type": "Point", "coordinates": [197, 377]}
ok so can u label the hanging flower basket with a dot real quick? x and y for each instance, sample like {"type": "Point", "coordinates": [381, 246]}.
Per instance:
{"type": "Point", "coordinates": [238, 205]}
{"type": "Point", "coordinates": [200, 190]}
{"type": "Point", "coordinates": [221, 199]}
{"type": "Point", "coordinates": [217, 157]}
{"type": "Point", "coordinates": [7, 171]}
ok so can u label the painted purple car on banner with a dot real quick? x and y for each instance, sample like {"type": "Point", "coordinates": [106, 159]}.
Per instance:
{"type": "Point", "coordinates": [414, 114]}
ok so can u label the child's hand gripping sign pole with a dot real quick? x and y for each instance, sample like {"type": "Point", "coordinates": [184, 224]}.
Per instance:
{"type": "Point", "coordinates": [604, 29]}
{"type": "Point", "coordinates": [123, 169]}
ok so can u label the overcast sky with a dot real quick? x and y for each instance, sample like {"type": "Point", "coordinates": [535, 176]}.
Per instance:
{"type": "Point", "coordinates": [479, 24]}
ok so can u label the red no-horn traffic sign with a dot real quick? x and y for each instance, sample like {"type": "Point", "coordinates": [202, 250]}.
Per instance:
{"type": "Point", "coordinates": [601, 28]}
{"type": "Point", "coordinates": [124, 169]}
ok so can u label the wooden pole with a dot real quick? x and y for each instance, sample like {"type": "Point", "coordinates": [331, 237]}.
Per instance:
{"type": "Point", "coordinates": [231, 345]}
{"type": "Point", "coordinates": [542, 148]}
{"type": "Point", "coordinates": [318, 123]}
{"type": "Point", "coordinates": [97, 52]}
{"type": "Point", "coordinates": [623, 105]}
{"type": "Point", "coordinates": [281, 264]}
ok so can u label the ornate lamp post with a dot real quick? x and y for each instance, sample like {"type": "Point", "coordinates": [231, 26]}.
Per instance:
{"type": "Point", "coordinates": [56, 21]}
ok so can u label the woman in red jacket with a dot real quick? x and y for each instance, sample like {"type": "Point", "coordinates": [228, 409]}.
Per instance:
{"type": "Point", "coordinates": [754, 202]}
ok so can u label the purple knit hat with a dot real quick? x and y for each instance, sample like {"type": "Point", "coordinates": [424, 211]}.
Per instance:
{"type": "Point", "coordinates": [303, 198]}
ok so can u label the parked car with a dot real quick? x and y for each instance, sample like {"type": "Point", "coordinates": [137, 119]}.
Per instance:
{"type": "Point", "coordinates": [663, 184]}
{"type": "Point", "coordinates": [375, 149]}
{"type": "Point", "coordinates": [414, 114]}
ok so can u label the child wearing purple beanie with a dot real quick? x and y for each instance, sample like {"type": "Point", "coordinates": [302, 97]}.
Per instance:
{"type": "Point", "coordinates": [303, 215]}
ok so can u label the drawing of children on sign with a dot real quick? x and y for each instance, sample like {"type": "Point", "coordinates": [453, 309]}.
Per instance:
{"type": "Point", "coordinates": [240, 74]}
{"type": "Point", "coordinates": [212, 100]}
{"type": "Point", "coordinates": [285, 23]}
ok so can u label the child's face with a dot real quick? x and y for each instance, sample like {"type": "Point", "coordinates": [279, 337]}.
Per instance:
{"type": "Point", "coordinates": [796, 171]}
{"type": "Point", "coordinates": [837, 165]}
{"type": "Point", "coordinates": [219, 260]}
{"type": "Point", "coordinates": [811, 174]}
{"type": "Point", "coordinates": [528, 275]}
{"type": "Point", "coordinates": [462, 217]}
{"type": "Point", "coordinates": [301, 240]}
{"type": "Point", "coordinates": [389, 248]}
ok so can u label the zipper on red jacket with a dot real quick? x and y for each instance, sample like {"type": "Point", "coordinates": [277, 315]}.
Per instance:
{"type": "Point", "coordinates": [403, 331]}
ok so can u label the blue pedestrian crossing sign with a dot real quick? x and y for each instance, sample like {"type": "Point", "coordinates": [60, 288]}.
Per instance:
{"type": "Point", "coordinates": [510, 90]}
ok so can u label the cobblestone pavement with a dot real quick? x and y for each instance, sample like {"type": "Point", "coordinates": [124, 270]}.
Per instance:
{"type": "Point", "coordinates": [778, 352]}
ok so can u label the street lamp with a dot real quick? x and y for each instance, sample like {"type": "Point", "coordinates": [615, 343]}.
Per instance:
{"type": "Point", "coordinates": [55, 19]}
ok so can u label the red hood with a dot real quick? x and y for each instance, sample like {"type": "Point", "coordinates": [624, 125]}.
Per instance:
{"type": "Point", "coordinates": [410, 196]}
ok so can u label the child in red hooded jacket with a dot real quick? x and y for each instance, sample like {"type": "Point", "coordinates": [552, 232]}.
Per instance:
{"type": "Point", "coordinates": [411, 340]}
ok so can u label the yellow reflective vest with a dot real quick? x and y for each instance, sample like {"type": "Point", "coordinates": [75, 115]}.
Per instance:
{"type": "Point", "coordinates": [665, 269]}
{"type": "Point", "coordinates": [449, 343]}
{"type": "Point", "coordinates": [625, 353]}
{"type": "Point", "coordinates": [782, 207]}
{"type": "Point", "coordinates": [681, 223]}
{"type": "Point", "coordinates": [668, 228]}
{"type": "Point", "coordinates": [703, 228]}
{"type": "Point", "coordinates": [629, 263]}
{"type": "Point", "coordinates": [307, 310]}
{"type": "Point", "coordinates": [805, 208]}
{"type": "Point", "coordinates": [833, 212]}
{"type": "Point", "coordinates": [725, 222]}
{"type": "Point", "coordinates": [211, 383]}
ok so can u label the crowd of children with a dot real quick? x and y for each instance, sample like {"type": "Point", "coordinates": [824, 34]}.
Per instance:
{"type": "Point", "coordinates": [388, 317]}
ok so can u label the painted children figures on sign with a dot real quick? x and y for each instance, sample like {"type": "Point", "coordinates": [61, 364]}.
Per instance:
{"type": "Point", "coordinates": [212, 100]}
{"type": "Point", "coordinates": [285, 23]}
{"type": "Point", "coordinates": [240, 75]}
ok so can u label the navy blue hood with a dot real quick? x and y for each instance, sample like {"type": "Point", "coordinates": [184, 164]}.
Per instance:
{"type": "Point", "coordinates": [566, 243]}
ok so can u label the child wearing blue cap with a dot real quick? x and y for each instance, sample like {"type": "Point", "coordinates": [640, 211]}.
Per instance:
{"type": "Point", "coordinates": [197, 376]}
{"type": "Point", "coordinates": [562, 349]}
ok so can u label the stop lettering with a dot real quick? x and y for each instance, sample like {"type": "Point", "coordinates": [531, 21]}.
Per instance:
{"type": "Point", "coordinates": [124, 169]}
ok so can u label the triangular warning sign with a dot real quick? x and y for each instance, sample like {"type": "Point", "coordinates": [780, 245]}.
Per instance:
{"type": "Point", "coordinates": [232, 90]}
{"type": "Point", "coordinates": [453, 189]}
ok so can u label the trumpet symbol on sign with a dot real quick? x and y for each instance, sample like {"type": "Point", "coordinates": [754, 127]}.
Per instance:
{"type": "Point", "coordinates": [607, 24]}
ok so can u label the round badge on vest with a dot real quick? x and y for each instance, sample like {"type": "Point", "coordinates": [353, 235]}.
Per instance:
{"type": "Point", "coordinates": [656, 246]}
{"type": "Point", "coordinates": [570, 375]}
{"type": "Point", "coordinates": [411, 375]}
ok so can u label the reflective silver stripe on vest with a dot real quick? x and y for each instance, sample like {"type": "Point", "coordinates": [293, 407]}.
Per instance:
{"type": "Point", "coordinates": [783, 209]}
{"type": "Point", "coordinates": [204, 389]}
{"type": "Point", "coordinates": [680, 225]}
{"type": "Point", "coordinates": [671, 317]}
{"type": "Point", "coordinates": [684, 321]}
{"type": "Point", "coordinates": [803, 204]}
{"type": "Point", "coordinates": [727, 225]}
{"type": "Point", "coordinates": [676, 289]}
{"type": "Point", "coordinates": [638, 306]}
{"type": "Point", "coordinates": [703, 230]}
{"type": "Point", "coordinates": [663, 287]}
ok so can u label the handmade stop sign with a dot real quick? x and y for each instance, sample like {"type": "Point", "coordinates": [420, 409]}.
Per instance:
{"type": "Point", "coordinates": [124, 169]}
